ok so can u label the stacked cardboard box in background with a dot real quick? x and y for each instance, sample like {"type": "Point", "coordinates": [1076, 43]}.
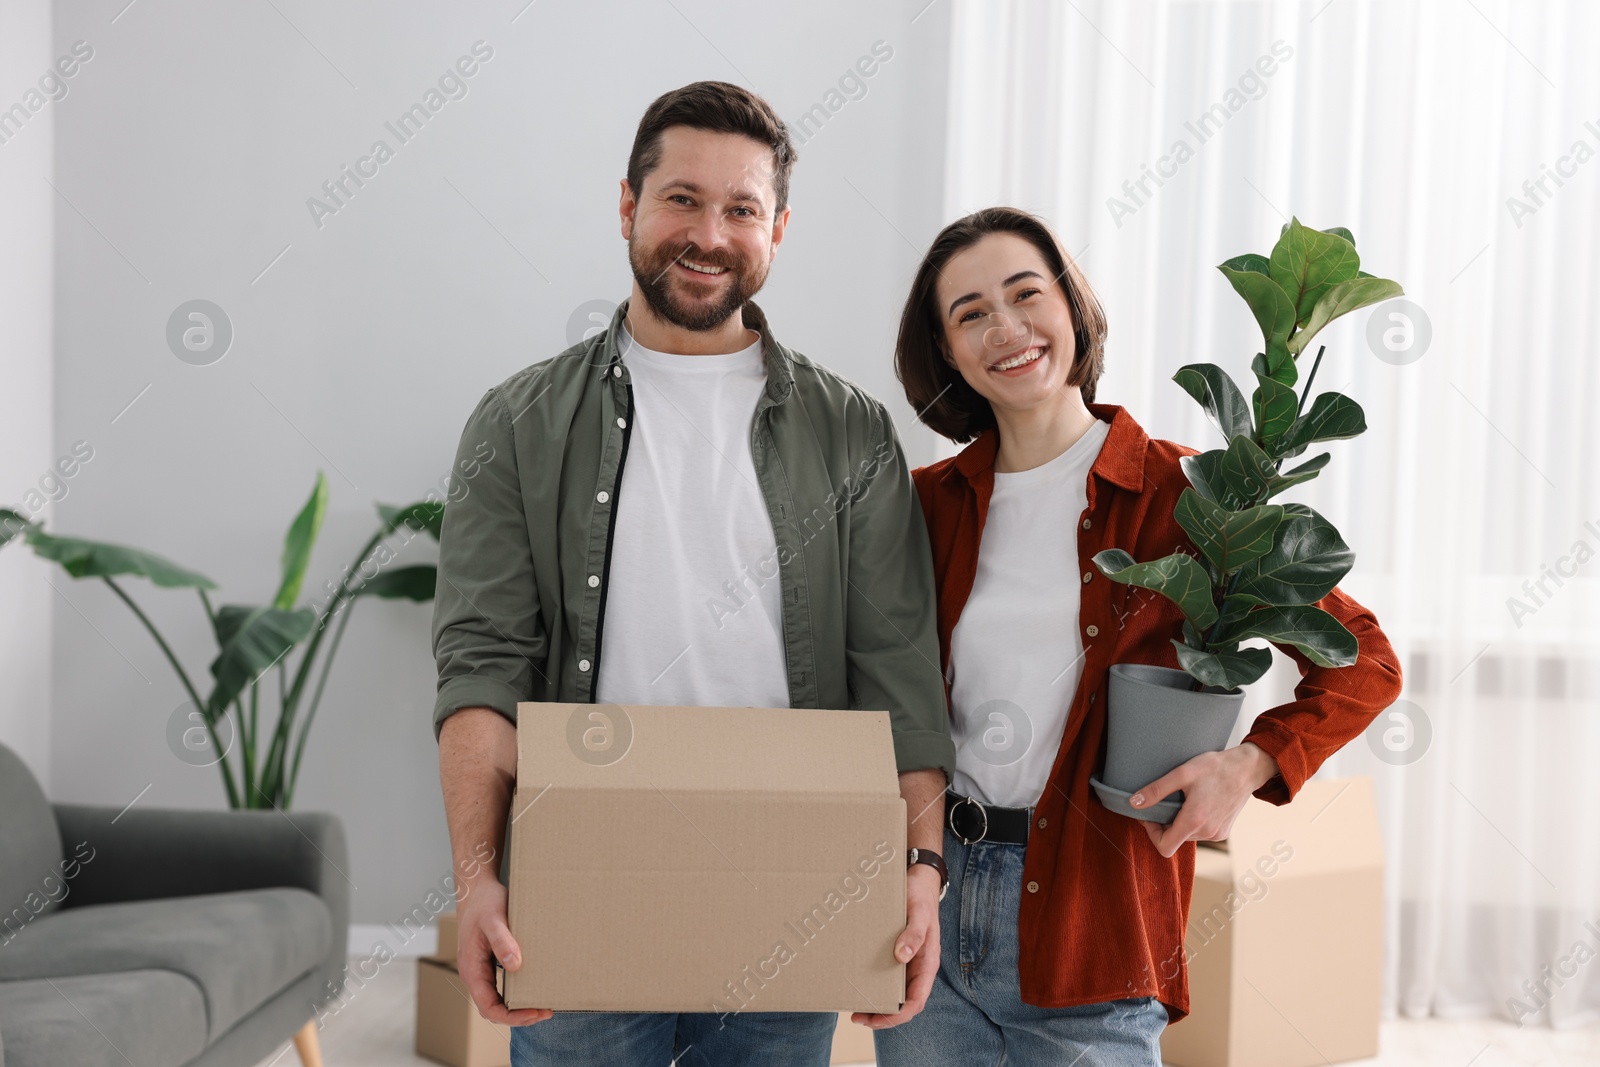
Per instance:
{"type": "Point", "coordinates": [1285, 936]}
{"type": "Point", "coordinates": [449, 1028]}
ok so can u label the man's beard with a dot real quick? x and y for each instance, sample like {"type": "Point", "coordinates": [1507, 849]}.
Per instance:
{"type": "Point", "coordinates": [652, 269]}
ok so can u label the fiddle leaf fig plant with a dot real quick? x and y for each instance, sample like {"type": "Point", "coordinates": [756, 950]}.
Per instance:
{"type": "Point", "coordinates": [253, 641]}
{"type": "Point", "coordinates": [1263, 566]}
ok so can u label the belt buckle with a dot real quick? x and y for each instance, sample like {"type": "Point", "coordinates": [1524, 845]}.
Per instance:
{"type": "Point", "coordinates": [959, 835]}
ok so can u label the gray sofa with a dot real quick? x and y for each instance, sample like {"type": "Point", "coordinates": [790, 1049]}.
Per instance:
{"type": "Point", "coordinates": [162, 938]}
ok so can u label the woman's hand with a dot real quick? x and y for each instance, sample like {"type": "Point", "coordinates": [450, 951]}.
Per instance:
{"type": "Point", "coordinates": [1215, 787]}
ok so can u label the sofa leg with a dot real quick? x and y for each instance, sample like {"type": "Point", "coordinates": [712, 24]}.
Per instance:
{"type": "Point", "coordinates": [305, 1043]}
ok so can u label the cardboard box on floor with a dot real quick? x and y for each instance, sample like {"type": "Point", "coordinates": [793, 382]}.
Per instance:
{"type": "Point", "coordinates": [706, 860]}
{"type": "Point", "coordinates": [449, 1028]}
{"type": "Point", "coordinates": [1285, 936]}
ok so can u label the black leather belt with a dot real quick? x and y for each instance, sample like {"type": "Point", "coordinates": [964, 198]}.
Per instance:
{"type": "Point", "coordinates": [972, 821]}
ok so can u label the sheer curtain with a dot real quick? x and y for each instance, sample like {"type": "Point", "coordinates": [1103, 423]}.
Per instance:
{"type": "Point", "coordinates": [1460, 142]}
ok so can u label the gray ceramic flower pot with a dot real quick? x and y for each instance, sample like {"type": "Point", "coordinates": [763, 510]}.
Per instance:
{"type": "Point", "coordinates": [1155, 722]}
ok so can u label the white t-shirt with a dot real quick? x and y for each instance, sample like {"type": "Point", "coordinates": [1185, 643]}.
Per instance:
{"type": "Point", "coordinates": [694, 612]}
{"type": "Point", "coordinates": [1016, 653]}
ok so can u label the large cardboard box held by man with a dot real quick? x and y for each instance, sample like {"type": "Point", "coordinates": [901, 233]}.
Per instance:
{"type": "Point", "coordinates": [1285, 936]}
{"type": "Point", "coordinates": [706, 860]}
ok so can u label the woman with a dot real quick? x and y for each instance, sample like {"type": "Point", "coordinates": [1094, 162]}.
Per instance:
{"type": "Point", "coordinates": [1062, 932]}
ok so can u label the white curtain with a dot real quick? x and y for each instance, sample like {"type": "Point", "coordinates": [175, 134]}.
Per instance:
{"type": "Point", "coordinates": [1415, 124]}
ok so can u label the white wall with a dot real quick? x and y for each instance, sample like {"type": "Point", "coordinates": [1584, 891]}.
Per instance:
{"type": "Point", "coordinates": [26, 454]}
{"type": "Point", "coordinates": [191, 144]}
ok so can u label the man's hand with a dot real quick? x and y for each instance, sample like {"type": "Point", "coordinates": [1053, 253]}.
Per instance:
{"type": "Point", "coordinates": [477, 767]}
{"type": "Point", "coordinates": [482, 937]}
{"type": "Point", "coordinates": [917, 947]}
{"type": "Point", "coordinates": [1215, 787]}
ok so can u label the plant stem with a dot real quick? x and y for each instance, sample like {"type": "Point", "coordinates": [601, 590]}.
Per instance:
{"type": "Point", "coordinates": [311, 711]}
{"type": "Point", "coordinates": [248, 729]}
{"type": "Point", "coordinates": [1309, 379]}
{"type": "Point", "coordinates": [183, 676]}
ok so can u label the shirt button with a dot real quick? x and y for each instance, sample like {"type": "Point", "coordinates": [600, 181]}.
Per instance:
{"type": "Point", "coordinates": [1041, 824]}
{"type": "Point", "coordinates": [623, 423]}
{"type": "Point", "coordinates": [583, 665]}
{"type": "Point", "coordinates": [602, 496]}
{"type": "Point", "coordinates": [1033, 887]}
{"type": "Point", "coordinates": [1086, 576]}
{"type": "Point", "coordinates": [616, 372]}
{"type": "Point", "coordinates": [1092, 630]}
{"type": "Point", "coordinates": [594, 580]}
{"type": "Point", "coordinates": [1085, 524]}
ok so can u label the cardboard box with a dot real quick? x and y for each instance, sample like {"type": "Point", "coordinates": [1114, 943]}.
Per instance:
{"type": "Point", "coordinates": [449, 1028]}
{"type": "Point", "coordinates": [852, 1044]}
{"type": "Point", "coordinates": [446, 924]}
{"type": "Point", "coordinates": [1285, 936]}
{"type": "Point", "coordinates": [706, 860]}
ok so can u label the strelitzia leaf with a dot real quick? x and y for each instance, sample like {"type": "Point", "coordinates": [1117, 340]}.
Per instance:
{"type": "Point", "coordinates": [96, 559]}
{"type": "Point", "coordinates": [298, 542]}
{"type": "Point", "coordinates": [424, 516]}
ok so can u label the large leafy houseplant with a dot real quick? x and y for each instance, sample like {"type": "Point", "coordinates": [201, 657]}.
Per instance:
{"type": "Point", "coordinates": [1262, 566]}
{"type": "Point", "coordinates": [254, 641]}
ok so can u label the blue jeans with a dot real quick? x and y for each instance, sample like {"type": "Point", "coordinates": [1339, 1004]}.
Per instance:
{"type": "Point", "coordinates": [641, 1039]}
{"type": "Point", "coordinates": [975, 1014]}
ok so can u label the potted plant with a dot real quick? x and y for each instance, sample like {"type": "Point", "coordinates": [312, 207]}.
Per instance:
{"type": "Point", "coordinates": [1262, 566]}
{"type": "Point", "coordinates": [252, 640]}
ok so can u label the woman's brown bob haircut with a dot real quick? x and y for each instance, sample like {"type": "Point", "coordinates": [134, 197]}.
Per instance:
{"type": "Point", "coordinates": [718, 107]}
{"type": "Point", "coordinates": [936, 390]}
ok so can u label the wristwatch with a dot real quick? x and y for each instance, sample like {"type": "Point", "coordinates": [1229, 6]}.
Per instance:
{"type": "Point", "coordinates": [932, 859]}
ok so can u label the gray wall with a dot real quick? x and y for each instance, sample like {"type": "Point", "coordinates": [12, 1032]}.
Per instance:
{"type": "Point", "coordinates": [27, 457]}
{"type": "Point", "coordinates": [189, 147]}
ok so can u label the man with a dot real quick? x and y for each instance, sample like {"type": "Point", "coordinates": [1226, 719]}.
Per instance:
{"type": "Point", "coordinates": [681, 510]}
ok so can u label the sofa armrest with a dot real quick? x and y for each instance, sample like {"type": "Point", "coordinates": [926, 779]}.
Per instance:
{"type": "Point", "coordinates": [152, 853]}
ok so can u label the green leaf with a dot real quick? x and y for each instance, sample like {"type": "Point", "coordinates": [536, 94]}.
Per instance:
{"type": "Point", "coordinates": [1275, 408]}
{"type": "Point", "coordinates": [1306, 263]}
{"type": "Point", "coordinates": [297, 544]}
{"type": "Point", "coordinates": [1214, 389]}
{"type": "Point", "coordinates": [1295, 475]}
{"type": "Point", "coordinates": [424, 516]}
{"type": "Point", "coordinates": [1320, 636]}
{"type": "Point", "coordinates": [1229, 539]}
{"type": "Point", "coordinates": [1225, 668]}
{"type": "Point", "coordinates": [1307, 560]}
{"type": "Point", "coordinates": [1235, 477]}
{"type": "Point", "coordinates": [96, 559]}
{"type": "Point", "coordinates": [252, 640]}
{"type": "Point", "coordinates": [1333, 417]}
{"type": "Point", "coordinates": [12, 524]}
{"type": "Point", "coordinates": [1274, 311]}
{"type": "Point", "coordinates": [402, 583]}
{"type": "Point", "coordinates": [1340, 231]}
{"type": "Point", "coordinates": [1178, 577]}
{"type": "Point", "coordinates": [1249, 261]}
{"type": "Point", "coordinates": [1342, 299]}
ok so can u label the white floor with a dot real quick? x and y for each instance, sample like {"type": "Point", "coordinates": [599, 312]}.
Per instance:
{"type": "Point", "coordinates": [374, 1029]}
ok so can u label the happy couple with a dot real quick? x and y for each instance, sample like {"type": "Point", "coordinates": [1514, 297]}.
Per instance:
{"type": "Point", "coordinates": [649, 465]}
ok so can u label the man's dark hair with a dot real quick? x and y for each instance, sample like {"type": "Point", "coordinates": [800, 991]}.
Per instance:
{"type": "Point", "coordinates": [936, 390]}
{"type": "Point", "coordinates": [720, 108]}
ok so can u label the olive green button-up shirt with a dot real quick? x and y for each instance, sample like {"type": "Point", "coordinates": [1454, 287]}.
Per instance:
{"type": "Point", "coordinates": [530, 524]}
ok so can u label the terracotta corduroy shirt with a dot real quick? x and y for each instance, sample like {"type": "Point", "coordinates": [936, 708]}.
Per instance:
{"type": "Point", "coordinates": [1107, 918]}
